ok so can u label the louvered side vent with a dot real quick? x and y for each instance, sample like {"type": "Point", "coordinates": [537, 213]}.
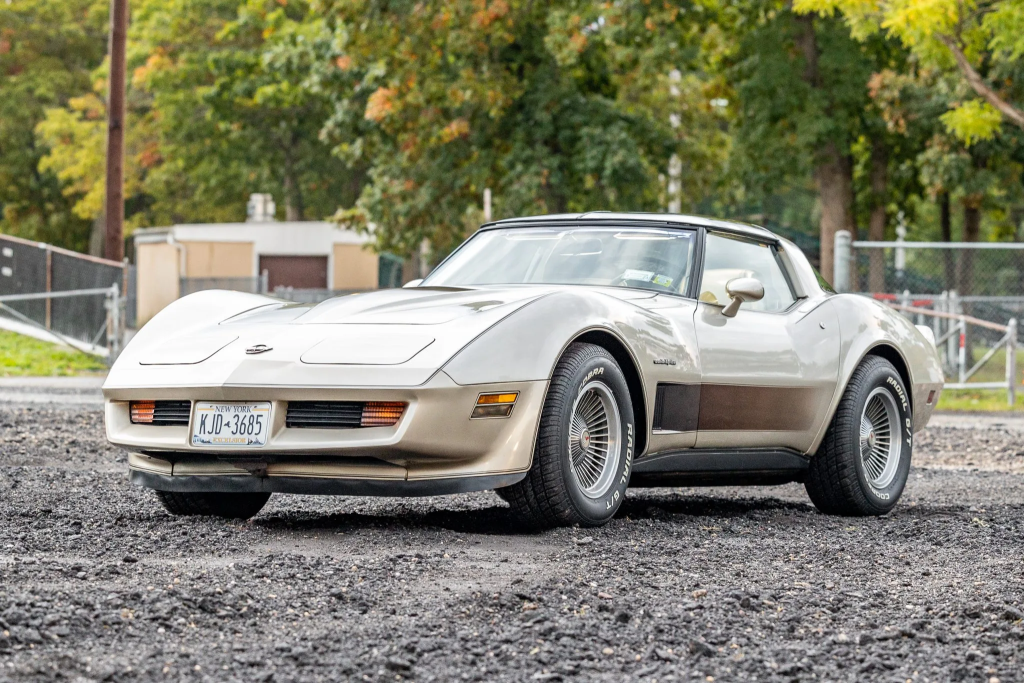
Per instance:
{"type": "Point", "coordinates": [161, 413]}
{"type": "Point", "coordinates": [325, 414]}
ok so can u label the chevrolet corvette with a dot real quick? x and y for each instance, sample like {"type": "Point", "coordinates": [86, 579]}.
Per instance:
{"type": "Point", "coordinates": [557, 360]}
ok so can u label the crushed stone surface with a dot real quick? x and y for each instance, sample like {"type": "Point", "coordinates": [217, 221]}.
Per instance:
{"type": "Point", "coordinates": [98, 583]}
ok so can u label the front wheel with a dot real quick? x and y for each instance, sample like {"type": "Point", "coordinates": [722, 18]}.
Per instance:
{"type": "Point", "coordinates": [862, 465]}
{"type": "Point", "coordinates": [213, 504]}
{"type": "Point", "coordinates": [584, 451]}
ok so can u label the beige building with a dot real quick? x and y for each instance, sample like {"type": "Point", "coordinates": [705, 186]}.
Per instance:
{"type": "Point", "coordinates": [303, 255]}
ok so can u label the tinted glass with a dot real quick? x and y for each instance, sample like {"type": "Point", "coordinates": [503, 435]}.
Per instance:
{"type": "Point", "coordinates": [660, 260]}
{"type": "Point", "coordinates": [727, 257]}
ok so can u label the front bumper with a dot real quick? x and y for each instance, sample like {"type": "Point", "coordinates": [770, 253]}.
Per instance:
{"type": "Point", "coordinates": [435, 447]}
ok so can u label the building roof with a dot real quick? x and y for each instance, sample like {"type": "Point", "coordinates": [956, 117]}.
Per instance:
{"type": "Point", "coordinates": [300, 232]}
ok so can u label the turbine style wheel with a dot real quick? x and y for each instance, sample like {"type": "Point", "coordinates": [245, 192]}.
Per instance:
{"type": "Point", "coordinates": [584, 452]}
{"type": "Point", "coordinates": [213, 504]}
{"type": "Point", "coordinates": [879, 453]}
{"type": "Point", "coordinates": [862, 465]}
{"type": "Point", "coordinates": [594, 433]}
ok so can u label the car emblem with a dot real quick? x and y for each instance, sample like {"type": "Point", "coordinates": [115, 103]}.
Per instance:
{"type": "Point", "coordinates": [259, 348]}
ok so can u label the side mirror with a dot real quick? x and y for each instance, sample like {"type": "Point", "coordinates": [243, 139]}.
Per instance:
{"type": "Point", "coordinates": [741, 290]}
{"type": "Point", "coordinates": [412, 283]}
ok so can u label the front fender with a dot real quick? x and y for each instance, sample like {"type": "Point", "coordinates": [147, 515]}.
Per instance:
{"type": "Point", "coordinates": [526, 345]}
{"type": "Point", "coordinates": [866, 324]}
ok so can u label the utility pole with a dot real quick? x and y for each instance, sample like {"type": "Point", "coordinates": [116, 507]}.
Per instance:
{"type": "Point", "coordinates": [113, 244]}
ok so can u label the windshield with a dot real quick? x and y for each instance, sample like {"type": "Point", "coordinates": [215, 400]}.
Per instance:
{"type": "Point", "coordinates": [659, 260]}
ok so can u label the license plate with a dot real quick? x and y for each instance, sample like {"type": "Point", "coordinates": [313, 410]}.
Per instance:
{"type": "Point", "coordinates": [231, 424]}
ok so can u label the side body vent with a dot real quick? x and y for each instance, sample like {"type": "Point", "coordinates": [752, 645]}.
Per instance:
{"type": "Point", "coordinates": [676, 407]}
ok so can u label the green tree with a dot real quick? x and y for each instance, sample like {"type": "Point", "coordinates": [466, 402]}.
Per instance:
{"type": "Point", "coordinates": [219, 106]}
{"type": "Point", "coordinates": [801, 91]}
{"type": "Point", "coordinates": [48, 49]}
{"type": "Point", "coordinates": [237, 109]}
{"type": "Point", "coordinates": [981, 41]}
{"type": "Point", "coordinates": [556, 106]}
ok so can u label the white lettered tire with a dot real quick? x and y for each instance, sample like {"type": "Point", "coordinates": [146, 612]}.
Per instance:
{"type": "Point", "coordinates": [584, 451]}
{"type": "Point", "coordinates": [863, 463]}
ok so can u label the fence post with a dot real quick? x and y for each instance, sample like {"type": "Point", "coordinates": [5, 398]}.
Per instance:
{"type": "Point", "coordinates": [843, 252]}
{"type": "Point", "coordinates": [962, 355]}
{"type": "Point", "coordinates": [951, 343]}
{"type": "Point", "coordinates": [113, 304]}
{"type": "Point", "coordinates": [265, 282]}
{"type": "Point", "coordinates": [1011, 361]}
{"type": "Point", "coordinates": [49, 287]}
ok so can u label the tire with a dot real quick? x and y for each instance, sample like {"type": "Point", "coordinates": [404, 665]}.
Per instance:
{"type": "Point", "coordinates": [213, 504]}
{"type": "Point", "coordinates": [569, 482]}
{"type": "Point", "coordinates": [858, 471]}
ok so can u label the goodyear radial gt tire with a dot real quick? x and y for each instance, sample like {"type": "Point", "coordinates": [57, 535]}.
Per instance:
{"type": "Point", "coordinates": [862, 465]}
{"type": "Point", "coordinates": [213, 504]}
{"type": "Point", "coordinates": [584, 451]}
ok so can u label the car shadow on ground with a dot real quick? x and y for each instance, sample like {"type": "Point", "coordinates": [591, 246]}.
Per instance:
{"type": "Point", "coordinates": [661, 503]}
{"type": "Point", "coordinates": [498, 519]}
{"type": "Point", "coordinates": [489, 520]}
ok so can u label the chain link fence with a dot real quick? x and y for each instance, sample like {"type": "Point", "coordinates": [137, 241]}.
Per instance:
{"type": "Point", "coordinates": [66, 294]}
{"type": "Point", "coordinates": [987, 269]}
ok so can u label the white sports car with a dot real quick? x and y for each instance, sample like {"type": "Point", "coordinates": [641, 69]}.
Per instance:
{"type": "Point", "coordinates": [555, 359]}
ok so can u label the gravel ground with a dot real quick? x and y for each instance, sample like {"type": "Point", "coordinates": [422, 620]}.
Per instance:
{"type": "Point", "coordinates": [97, 583]}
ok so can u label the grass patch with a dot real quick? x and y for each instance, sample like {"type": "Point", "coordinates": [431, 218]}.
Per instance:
{"type": "Point", "coordinates": [22, 356]}
{"type": "Point", "coordinates": [980, 400]}
{"type": "Point", "coordinates": [985, 400]}
{"type": "Point", "coordinates": [994, 370]}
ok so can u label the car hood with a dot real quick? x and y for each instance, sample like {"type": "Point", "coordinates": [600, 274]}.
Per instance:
{"type": "Point", "coordinates": [397, 337]}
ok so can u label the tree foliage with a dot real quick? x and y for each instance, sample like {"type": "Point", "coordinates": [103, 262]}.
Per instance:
{"type": "Point", "coordinates": [395, 115]}
{"type": "Point", "coordinates": [47, 50]}
{"type": "Point", "coordinates": [556, 107]}
{"type": "Point", "coordinates": [981, 40]}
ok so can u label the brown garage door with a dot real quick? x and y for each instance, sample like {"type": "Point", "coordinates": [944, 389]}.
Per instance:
{"type": "Point", "coordinates": [301, 272]}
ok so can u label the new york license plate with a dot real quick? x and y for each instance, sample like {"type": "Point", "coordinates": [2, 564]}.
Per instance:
{"type": "Point", "coordinates": [231, 424]}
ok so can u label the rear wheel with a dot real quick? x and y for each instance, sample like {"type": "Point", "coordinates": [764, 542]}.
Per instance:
{"type": "Point", "coordinates": [862, 465]}
{"type": "Point", "coordinates": [584, 451]}
{"type": "Point", "coordinates": [213, 504]}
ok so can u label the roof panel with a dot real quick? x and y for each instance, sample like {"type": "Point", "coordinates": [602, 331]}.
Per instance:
{"type": "Point", "coordinates": [667, 218]}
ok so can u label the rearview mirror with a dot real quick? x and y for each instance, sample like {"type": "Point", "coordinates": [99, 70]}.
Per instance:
{"type": "Point", "coordinates": [741, 290]}
{"type": "Point", "coordinates": [413, 283]}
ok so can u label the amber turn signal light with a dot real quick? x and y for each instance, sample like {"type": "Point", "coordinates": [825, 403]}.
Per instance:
{"type": "Point", "coordinates": [495, 405]}
{"type": "Point", "coordinates": [382, 413]}
{"type": "Point", "coordinates": [142, 411]}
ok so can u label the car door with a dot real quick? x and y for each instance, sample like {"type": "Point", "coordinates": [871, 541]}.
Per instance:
{"type": "Point", "coordinates": [769, 373]}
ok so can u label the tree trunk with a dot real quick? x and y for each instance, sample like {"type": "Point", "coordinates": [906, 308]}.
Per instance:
{"type": "Point", "coordinates": [972, 230]}
{"type": "Point", "coordinates": [293, 206]}
{"type": "Point", "coordinates": [294, 210]}
{"type": "Point", "coordinates": [946, 224]}
{"type": "Point", "coordinates": [876, 227]}
{"type": "Point", "coordinates": [833, 172]}
{"type": "Point", "coordinates": [834, 178]}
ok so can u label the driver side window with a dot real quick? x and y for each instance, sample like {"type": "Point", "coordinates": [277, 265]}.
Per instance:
{"type": "Point", "coordinates": [727, 257]}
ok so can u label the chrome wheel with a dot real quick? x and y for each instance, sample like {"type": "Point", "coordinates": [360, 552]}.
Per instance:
{"type": "Point", "coordinates": [594, 438]}
{"type": "Point", "coordinates": [881, 438]}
